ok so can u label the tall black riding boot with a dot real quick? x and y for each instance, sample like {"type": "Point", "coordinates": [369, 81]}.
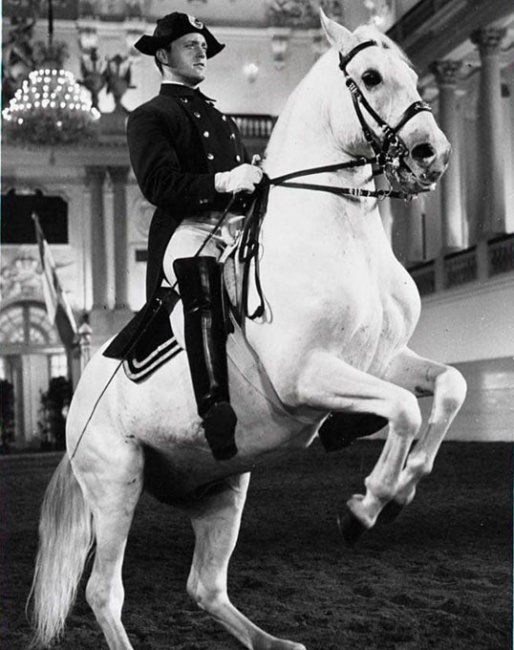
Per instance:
{"type": "Point", "coordinates": [199, 282]}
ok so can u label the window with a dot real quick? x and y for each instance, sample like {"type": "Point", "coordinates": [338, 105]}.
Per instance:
{"type": "Point", "coordinates": [17, 223]}
{"type": "Point", "coordinates": [27, 324]}
{"type": "Point", "coordinates": [58, 365]}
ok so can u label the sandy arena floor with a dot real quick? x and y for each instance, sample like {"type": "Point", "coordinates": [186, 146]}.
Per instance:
{"type": "Point", "coordinates": [439, 578]}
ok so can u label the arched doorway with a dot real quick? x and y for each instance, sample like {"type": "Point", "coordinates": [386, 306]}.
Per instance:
{"type": "Point", "coordinates": [31, 353]}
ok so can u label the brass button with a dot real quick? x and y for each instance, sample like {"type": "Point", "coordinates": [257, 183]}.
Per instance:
{"type": "Point", "coordinates": [197, 114]}
{"type": "Point", "coordinates": [224, 118]}
{"type": "Point", "coordinates": [232, 136]}
{"type": "Point", "coordinates": [238, 158]}
{"type": "Point", "coordinates": [206, 134]}
{"type": "Point", "coordinates": [184, 100]}
{"type": "Point", "coordinates": [210, 156]}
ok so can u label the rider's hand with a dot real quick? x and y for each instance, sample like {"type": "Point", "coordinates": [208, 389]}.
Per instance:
{"type": "Point", "coordinates": [243, 178]}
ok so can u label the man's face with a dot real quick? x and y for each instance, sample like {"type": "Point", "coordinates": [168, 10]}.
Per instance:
{"type": "Point", "coordinates": [186, 59]}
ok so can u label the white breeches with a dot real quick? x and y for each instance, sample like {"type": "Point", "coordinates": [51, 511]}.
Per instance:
{"type": "Point", "coordinates": [191, 234]}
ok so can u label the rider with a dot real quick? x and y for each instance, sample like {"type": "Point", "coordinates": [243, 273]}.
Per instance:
{"type": "Point", "coordinates": [189, 161]}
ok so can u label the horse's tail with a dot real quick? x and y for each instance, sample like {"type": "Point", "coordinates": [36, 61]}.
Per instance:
{"type": "Point", "coordinates": [66, 536]}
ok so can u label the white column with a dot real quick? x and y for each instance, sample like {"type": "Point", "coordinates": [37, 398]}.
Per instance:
{"type": "Point", "coordinates": [95, 180]}
{"type": "Point", "coordinates": [119, 178]}
{"type": "Point", "coordinates": [491, 145]}
{"type": "Point", "coordinates": [508, 116]}
{"type": "Point", "coordinates": [86, 248]}
{"type": "Point", "coordinates": [416, 230]}
{"type": "Point", "coordinates": [452, 220]}
{"type": "Point", "coordinates": [110, 274]}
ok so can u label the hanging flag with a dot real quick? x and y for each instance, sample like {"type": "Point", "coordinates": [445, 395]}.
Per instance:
{"type": "Point", "coordinates": [57, 306]}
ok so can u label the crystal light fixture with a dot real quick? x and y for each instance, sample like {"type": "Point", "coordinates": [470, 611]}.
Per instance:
{"type": "Point", "coordinates": [50, 109]}
{"type": "Point", "coordinates": [382, 13]}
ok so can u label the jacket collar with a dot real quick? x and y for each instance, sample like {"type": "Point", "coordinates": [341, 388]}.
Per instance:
{"type": "Point", "coordinates": [179, 90]}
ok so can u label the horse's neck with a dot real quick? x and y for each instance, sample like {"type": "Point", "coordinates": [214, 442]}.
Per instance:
{"type": "Point", "coordinates": [303, 136]}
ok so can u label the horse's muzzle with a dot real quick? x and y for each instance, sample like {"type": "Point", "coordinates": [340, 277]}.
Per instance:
{"type": "Point", "coordinates": [423, 166]}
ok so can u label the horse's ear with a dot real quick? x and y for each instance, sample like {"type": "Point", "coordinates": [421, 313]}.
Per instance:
{"type": "Point", "coordinates": [337, 35]}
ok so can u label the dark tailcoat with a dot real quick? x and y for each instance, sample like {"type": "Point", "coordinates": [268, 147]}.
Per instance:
{"type": "Point", "coordinates": [177, 142]}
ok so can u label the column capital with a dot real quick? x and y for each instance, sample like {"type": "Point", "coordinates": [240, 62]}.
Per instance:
{"type": "Point", "coordinates": [95, 174]}
{"type": "Point", "coordinates": [446, 72]}
{"type": "Point", "coordinates": [118, 174]}
{"type": "Point", "coordinates": [488, 40]}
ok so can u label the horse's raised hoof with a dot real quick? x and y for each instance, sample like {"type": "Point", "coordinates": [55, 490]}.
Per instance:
{"type": "Point", "coordinates": [350, 527]}
{"type": "Point", "coordinates": [391, 512]}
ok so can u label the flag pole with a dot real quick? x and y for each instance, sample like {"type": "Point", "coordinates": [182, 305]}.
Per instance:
{"type": "Point", "coordinates": [58, 308]}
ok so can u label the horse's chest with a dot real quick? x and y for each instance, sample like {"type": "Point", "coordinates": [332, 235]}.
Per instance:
{"type": "Point", "coordinates": [379, 316]}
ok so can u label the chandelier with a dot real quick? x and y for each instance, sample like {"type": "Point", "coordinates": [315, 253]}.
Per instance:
{"type": "Point", "coordinates": [50, 107]}
{"type": "Point", "coordinates": [381, 13]}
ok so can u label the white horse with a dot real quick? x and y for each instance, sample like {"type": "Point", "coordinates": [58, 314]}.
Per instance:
{"type": "Point", "coordinates": [339, 310]}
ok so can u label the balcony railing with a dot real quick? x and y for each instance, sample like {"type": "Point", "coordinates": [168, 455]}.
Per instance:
{"type": "Point", "coordinates": [486, 259]}
{"type": "Point", "coordinates": [501, 255]}
{"type": "Point", "coordinates": [460, 267]}
{"type": "Point", "coordinates": [254, 126]}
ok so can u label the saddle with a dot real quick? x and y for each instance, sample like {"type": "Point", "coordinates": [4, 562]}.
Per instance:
{"type": "Point", "coordinates": [147, 341]}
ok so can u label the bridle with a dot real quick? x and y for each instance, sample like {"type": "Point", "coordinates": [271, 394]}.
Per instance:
{"type": "Point", "coordinates": [391, 151]}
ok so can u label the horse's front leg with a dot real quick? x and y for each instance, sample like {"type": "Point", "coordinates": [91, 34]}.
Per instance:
{"type": "Point", "coordinates": [448, 387]}
{"type": "Point", "coordinates": [327, 383]}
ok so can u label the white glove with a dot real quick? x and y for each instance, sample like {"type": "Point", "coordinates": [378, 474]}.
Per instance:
{"type": "Point", "coordinates": [243, 178]}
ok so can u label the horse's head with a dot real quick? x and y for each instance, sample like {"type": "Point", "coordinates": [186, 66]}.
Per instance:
{"type": "Point", "coordinates": [389, 114]}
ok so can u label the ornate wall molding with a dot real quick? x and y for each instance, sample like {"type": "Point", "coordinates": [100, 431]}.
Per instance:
{"type": "Point", "coordinates": [20, 278]}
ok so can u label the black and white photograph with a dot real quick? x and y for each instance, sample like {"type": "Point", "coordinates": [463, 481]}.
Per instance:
{"type": "Point", "coordinates": [257, 325]}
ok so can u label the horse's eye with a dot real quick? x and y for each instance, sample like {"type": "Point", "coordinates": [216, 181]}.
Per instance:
{"type": "Point", "coordinates": [372, 78]}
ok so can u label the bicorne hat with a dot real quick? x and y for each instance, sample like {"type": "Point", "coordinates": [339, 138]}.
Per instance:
{"type": "Point", "coordinates": [174, 26]}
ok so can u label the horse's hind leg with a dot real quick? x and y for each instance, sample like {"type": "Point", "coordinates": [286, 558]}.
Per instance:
{"type": "Point", "coordinates": [112, 490]}
{"type": "Point", "coordinates": [216, 521]}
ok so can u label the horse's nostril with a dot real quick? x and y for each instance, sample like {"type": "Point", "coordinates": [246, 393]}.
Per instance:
{"type": "Point", "coordinates": [423, 151]}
